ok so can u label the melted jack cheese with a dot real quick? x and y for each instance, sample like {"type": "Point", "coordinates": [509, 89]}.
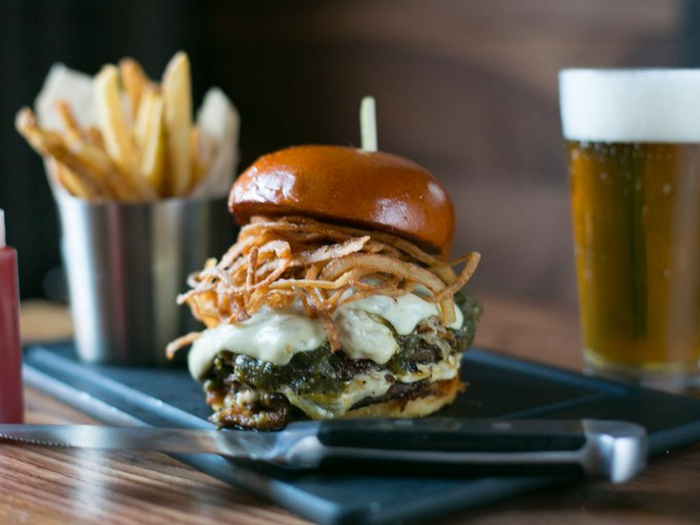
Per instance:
{"type": "Point", "coordinates": [403, 312]}
{"type": "Point", "coordinates": [270, 335]}
{"type": "Point", "coordinates": [360, 387]}
{"type": "Point", "coordinates": [276, 335]}
{"type": "Point", "coordinates": [373, 384]}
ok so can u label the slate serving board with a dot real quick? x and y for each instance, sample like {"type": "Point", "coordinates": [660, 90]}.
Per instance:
{"type": "Point", "coordinates": [500, 387]}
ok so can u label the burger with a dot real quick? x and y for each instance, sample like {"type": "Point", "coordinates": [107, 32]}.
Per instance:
{"type": "Point", "coordinates": [338, 298]}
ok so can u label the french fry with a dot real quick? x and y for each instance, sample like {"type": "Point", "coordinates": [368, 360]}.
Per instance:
{"type": "Point", "coordinates": [71, 182]}
{"type": "Point", "coordinates": [68, 118]}
{"type": "Point", "coordinates": [82, 167]}
{"type": "Point", "coordinates": [141, 122]}
{"type": "Point", "coordinates": [135, 83]}
{"type": "Point", "coordinates": [87, 145]}
{"type": "Point", "coordinates": [119, 140]}
{"type": "Point", "coordinates": [99, 163]}
{"type": "Point", "coordinates": [122, 136]}
{"type": "Point", "coordinates": [153, 149]}
{"type": "Point", "coordinates": [93, 136]}
{"type": "Point", "coordinates": [178, 123]}
{"type": "Point", "coordinates": [49, 144]}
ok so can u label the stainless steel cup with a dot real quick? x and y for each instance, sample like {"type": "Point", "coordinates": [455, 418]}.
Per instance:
{"type": "Point", "coordinates": [126, 264]}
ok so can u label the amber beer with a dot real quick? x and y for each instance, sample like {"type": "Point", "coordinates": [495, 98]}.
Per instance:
{"type": "Point", "coordinates": [634, 167]}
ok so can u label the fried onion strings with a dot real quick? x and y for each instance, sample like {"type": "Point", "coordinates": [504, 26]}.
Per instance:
{"type": "Point", "coordinates": [287, 261]}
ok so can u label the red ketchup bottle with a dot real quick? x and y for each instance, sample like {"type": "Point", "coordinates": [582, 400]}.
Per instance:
{"type": "Point", "coordinates": [11, 399]}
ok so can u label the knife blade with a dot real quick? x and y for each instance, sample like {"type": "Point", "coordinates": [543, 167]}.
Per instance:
{"type": "Point", "coordinates": [615, 450]}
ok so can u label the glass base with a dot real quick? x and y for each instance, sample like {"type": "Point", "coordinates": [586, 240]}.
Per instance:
{"type": "Point", "coordinates": [657, 378]}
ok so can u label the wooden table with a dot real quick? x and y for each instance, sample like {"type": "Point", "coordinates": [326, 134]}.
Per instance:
{"type": "Point", "coordinates": [41, 485]}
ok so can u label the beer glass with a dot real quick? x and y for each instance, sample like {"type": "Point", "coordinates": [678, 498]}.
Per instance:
{"type": "Point", "coordinates": [633, 144]}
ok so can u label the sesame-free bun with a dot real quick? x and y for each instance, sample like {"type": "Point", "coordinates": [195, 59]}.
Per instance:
{"type": "Point", "coordinates": [371, 190]}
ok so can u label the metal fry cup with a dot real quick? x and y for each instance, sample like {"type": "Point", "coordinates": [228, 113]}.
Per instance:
{"type": "Point", "coordinates": [126, 265]}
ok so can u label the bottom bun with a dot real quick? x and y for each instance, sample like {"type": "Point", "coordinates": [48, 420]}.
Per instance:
{"type": "Point", "coordinates": [438, 395]}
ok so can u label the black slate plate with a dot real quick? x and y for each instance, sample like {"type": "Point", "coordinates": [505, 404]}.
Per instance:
{"type": "Point", "coordinates": [499, 387]}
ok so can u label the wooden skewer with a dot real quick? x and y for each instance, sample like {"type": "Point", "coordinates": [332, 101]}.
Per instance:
{"type": "Point", "coordinates": [368, 124]}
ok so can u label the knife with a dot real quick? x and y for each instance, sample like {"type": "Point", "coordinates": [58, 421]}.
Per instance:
{"type": "Point", "coordinates": [615, 450]}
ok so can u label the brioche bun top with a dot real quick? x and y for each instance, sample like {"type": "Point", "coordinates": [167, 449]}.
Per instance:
{"type": "Point", "coordinates": [348, 186]}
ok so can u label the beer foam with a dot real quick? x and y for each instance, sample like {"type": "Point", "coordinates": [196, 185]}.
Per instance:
{"type": "Point", "coordinates": [642, 105]}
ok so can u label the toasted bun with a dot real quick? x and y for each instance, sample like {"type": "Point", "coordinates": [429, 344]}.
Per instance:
{"type": "Point", "coordinates": [441, 394]}
{"type": "Point", "coordinates": [371, 190]}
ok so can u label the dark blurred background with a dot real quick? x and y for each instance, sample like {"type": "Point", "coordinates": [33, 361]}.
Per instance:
{"type": "Point", "coordinates": [465, 87]}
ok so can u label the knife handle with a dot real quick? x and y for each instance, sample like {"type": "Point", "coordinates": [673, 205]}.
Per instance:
{"type": "Point", "coordinates": [453, 435]}
{"type": "Point", "coordinates": [615, 450]}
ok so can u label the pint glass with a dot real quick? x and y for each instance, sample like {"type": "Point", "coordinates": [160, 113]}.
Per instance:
{"type": "Point", "coordinates": [633, 143]}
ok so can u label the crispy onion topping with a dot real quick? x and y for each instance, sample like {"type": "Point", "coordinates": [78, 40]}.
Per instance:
{"type": "Point", "coordinates": [291, 260]}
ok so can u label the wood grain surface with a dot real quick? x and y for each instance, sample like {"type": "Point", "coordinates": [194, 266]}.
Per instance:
{"type": "Point", "coordinates": [47, 486]}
